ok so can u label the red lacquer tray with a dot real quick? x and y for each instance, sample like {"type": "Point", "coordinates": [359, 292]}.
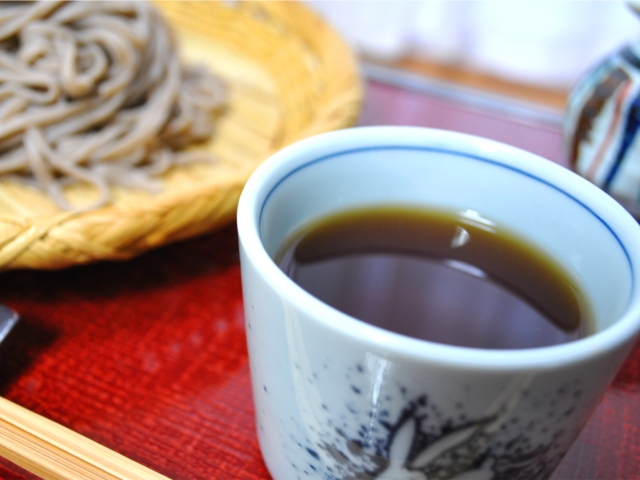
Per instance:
{"type": "Point", "coordinates": [148, 356]}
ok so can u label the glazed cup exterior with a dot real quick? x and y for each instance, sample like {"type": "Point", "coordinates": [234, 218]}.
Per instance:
{"type": "Point", "coordinates": [336, 398]}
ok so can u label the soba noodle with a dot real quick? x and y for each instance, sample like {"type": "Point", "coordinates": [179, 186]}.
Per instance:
{"type": "Point", "coordinates": [94, 92]}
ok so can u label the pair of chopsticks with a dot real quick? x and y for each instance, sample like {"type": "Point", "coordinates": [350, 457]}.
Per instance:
{"type": "Point", "coordinates": [54, 452]}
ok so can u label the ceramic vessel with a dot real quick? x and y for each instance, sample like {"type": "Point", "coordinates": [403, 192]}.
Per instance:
{"type": "Point", "coordinates": [602, 121]}
{"type": "Point", "coordinates": [337, 398]}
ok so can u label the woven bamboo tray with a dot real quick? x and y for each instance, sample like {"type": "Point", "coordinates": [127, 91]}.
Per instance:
{"type": "Point", "coordinates": [289, 76]}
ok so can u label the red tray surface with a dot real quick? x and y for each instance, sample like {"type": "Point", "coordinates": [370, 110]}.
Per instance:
{"type": "Point", "coordinates": [148, 356]}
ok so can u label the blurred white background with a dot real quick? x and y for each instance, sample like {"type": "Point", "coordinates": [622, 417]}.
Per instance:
{"type": "Point", "coordinates": [547, 43]}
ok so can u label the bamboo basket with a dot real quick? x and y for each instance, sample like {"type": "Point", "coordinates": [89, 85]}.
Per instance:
{"type": "Point", "coordinates": [289, 76]}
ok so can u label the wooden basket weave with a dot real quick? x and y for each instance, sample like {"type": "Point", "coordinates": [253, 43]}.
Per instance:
{"type": "Point", "coordinates": [289, 76]}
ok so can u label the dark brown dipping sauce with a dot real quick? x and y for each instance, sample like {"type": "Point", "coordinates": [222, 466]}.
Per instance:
{"type": "Point", "coordinates": [443, 277]}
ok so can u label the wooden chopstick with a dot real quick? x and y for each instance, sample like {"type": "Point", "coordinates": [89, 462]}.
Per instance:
{"type": "Point", "coordinates": [54, 452]}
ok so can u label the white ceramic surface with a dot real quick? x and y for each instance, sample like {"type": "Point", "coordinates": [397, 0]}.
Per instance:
{"type": "Point", "coordinates": [336, 398]}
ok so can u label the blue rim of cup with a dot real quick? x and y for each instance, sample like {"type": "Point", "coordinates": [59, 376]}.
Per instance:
{"type": "Point", "coordinates": [448, 152]}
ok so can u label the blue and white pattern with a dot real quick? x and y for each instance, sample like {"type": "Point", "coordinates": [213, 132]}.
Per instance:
{"type": "Point", "coordinates": [425, 441]}
{"type": "Point", "coordinates": [602, 121]}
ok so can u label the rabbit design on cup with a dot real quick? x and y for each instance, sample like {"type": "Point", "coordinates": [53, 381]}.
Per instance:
{"type": "Point", "coordinates": [401, 467]}
{"type": "Point", "coordinates": [457, 453]}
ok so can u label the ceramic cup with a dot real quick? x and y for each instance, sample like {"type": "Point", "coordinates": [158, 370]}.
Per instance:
{"type": "Point", "coordinates": [337, 398]}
